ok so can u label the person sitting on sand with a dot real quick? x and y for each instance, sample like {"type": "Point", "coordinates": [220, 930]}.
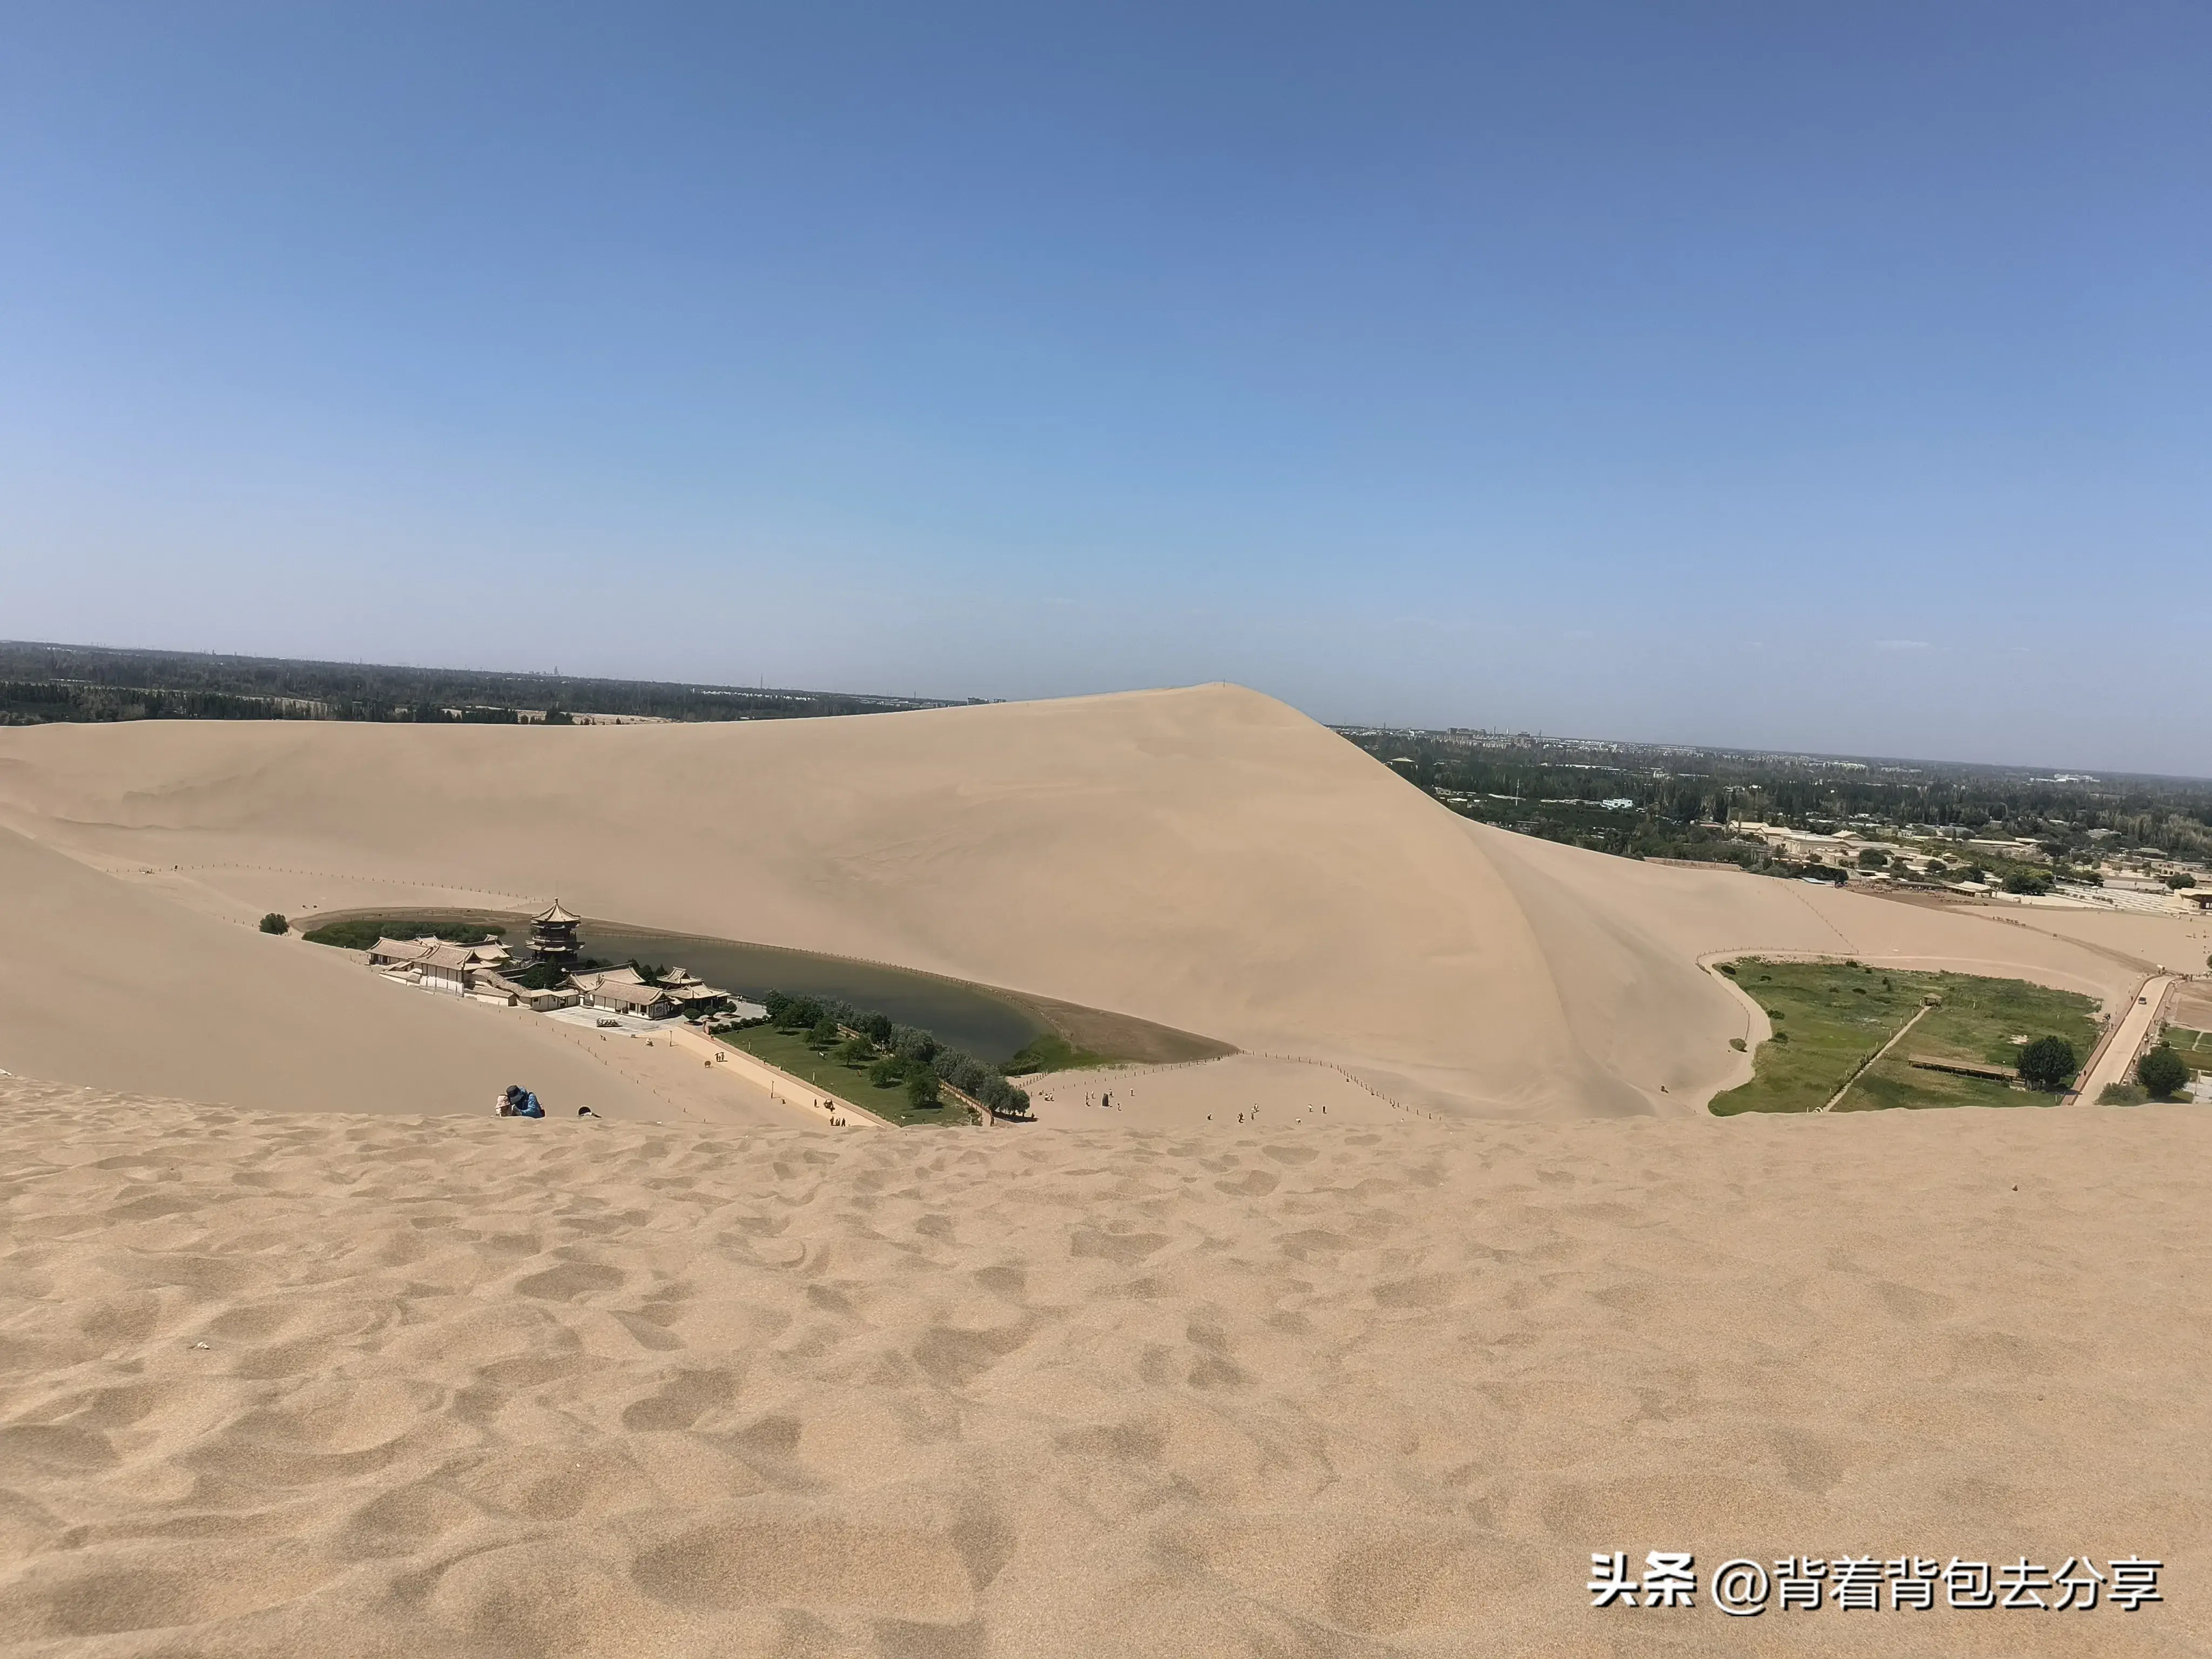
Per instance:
{"type": "Point", "coordinates": [519, 1101]}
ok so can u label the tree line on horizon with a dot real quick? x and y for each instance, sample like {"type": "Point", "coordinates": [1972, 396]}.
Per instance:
{"type": "Point", "coordinates": [42, 684]}
{"type": "Point", "coordinates": [1557, 790]}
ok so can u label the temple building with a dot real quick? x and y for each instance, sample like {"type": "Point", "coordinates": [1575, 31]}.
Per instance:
{"type": "Point", "coordinates": [553, 938]}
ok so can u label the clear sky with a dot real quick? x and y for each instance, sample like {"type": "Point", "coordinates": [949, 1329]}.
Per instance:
{"type": "Point", "coordinates": [1834, 376]}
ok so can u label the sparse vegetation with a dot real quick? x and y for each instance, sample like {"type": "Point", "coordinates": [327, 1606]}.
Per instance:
{"type": "Point", "coordinates": [273, 922]}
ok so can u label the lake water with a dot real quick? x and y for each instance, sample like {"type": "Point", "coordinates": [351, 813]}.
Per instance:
{"type": "Point", "coordinates": [987, 1027]}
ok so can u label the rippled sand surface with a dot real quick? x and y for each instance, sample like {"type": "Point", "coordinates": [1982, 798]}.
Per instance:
{"type": "Point", "coordinates": [287, 1385]}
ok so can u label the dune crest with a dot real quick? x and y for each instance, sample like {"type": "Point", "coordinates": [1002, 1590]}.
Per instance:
{"type": "Point", "coordinates": [1207, 859]}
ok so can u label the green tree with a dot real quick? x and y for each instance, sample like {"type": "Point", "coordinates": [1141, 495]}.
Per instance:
{"type": "Point", "coordinates": [857, 1052]}
{"type": "Point", "coordinates": [886, 1072]}
{"type": "Point", "coordinates": [824, 1032]}
{"type": "Point", "coordinates": [274, 923]}
{"type": "Point", "coordinates": [921, 1087]}
{"type": "Point", "coordinates": [2180, 880]}
{"type": "Point", "coordinates": [2048, 1062]}
{"type": "Point", "coordinates": [2161, 1072]}
{"type": "Point", "coordinates": [1873, 858]}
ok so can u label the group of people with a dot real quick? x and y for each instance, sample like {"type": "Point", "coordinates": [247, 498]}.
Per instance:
{"type": "Point", "coordinates": [515, 1101]}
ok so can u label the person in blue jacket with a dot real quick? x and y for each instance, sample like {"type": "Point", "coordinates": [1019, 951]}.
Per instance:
{"type": "Point", "coordinates": [519, 1101]}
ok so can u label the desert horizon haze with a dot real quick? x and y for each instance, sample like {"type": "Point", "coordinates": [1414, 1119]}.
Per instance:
{"type": "Point", "coordinates": [1105, 1140]}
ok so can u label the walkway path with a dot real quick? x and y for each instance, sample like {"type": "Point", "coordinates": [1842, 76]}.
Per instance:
{"type": "Point", "coordinates": [2115, 1061]}
{"type": "Point", "coordinates": [1876, 1055]}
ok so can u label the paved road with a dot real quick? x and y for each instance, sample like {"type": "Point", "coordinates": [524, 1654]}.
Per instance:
{"type": "Point", "coordinates": [2117, 1062]}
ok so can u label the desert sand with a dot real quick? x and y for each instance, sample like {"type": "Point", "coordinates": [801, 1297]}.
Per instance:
{"type": "Point", "coordinates": [301, 1385]}
{"type": "Point", "coordinates": [107, 984]}
{"type": "Point", "coordinates": [302, 1354]}
{"type": "Point", "coordinates": [1207, 859]}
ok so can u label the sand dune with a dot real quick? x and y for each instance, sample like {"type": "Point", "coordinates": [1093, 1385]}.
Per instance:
{"type": "Point", "coordinates": [1375, 1380]}
{"type": "Point", "coordinates": [1206, 859]}
{"type": "Point", "coordinates": [108, 985]}
{"type": "Point", "coordinates": [338, 1385]}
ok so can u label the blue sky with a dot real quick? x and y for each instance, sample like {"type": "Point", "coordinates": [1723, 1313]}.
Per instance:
{"type": "Point", "coordinates": [1827, 377]}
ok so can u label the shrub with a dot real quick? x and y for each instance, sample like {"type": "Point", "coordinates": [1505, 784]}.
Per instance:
{"type": "Point", "coordinates": [362, 932]}
{"type": "Point", "coordinates": [2161, 1072]}
{"type": "Point", "coordinates": [2048, 1062]}
{"type": "Point", "coordinates": [1736, 1043]}
{"type": "Point", "coordinates": [274, 923]}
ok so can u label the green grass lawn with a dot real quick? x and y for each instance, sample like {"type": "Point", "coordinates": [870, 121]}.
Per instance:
{"type": "Point", "coordinates": [1835, 1016]}
{"type": "Point", "coordinates": [790, 1050]}
{"type": "Point", "coordinates": [2194, 1046]}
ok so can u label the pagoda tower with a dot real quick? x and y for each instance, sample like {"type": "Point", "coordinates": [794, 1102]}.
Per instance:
{"type": "Point", "coordinates": [553, 938]}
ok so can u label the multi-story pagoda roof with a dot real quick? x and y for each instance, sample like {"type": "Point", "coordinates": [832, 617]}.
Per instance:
{"type": "Point", "coordinates": [556, 916]}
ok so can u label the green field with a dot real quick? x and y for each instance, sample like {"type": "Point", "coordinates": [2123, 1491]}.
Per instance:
{"type": "Point", "coordinates": [2194, 1046]}
{"type": "Point", "coordinates": [790, 1051]}
{"type": "Point", "coordinates": [1832, 1017]}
